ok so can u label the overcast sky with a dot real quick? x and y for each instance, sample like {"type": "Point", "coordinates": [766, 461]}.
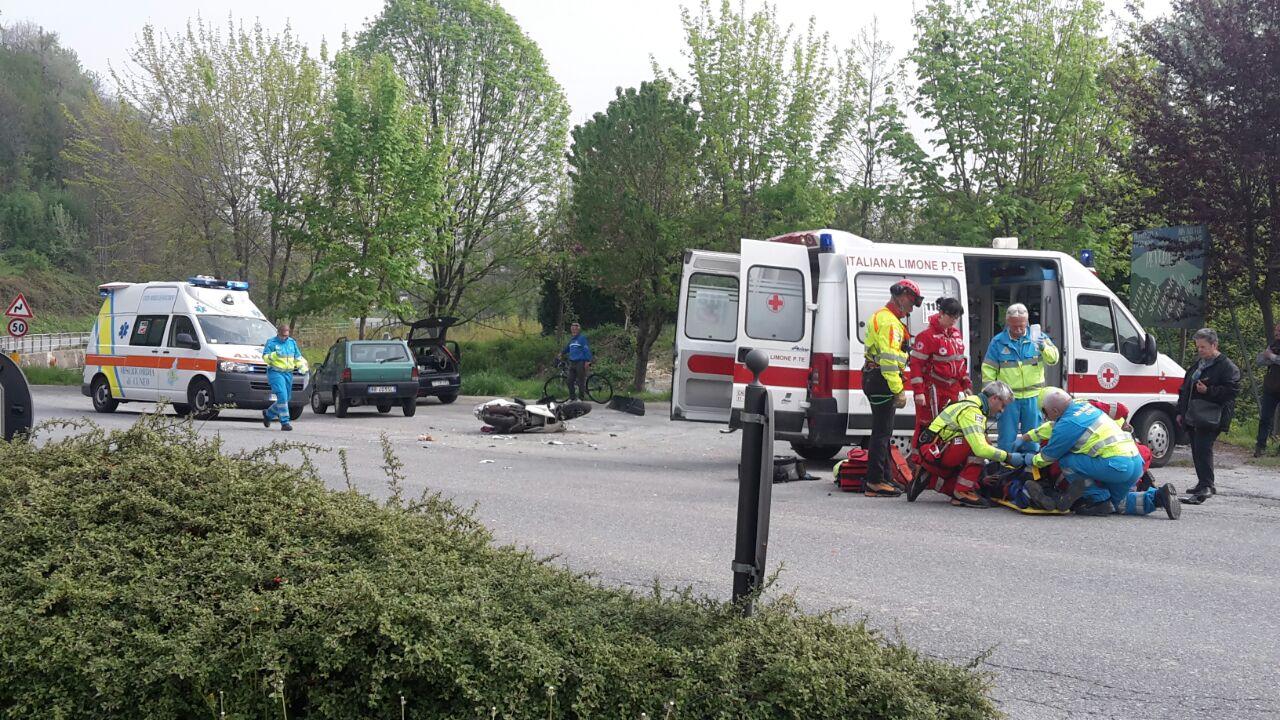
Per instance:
{"type": "Point", "coordinates": [592, 46]}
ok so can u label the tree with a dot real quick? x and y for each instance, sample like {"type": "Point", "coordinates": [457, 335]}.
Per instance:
{"type": "Point", "coordinates": [490, 99]}
{"type": "Point", "coordinates": [1012, 91]}
{"type": "Point", "coordinates": [1206, 119]}
{"type": "Point", "coordinates": [871, 153]}
{"type": "Point", "coordinates": [633, 172]}
{"type": "Point", "coordinates": [372, 225]}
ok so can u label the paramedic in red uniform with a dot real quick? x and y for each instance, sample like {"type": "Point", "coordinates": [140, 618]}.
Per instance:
{"type": "Point", "coordinates": [939, 365]}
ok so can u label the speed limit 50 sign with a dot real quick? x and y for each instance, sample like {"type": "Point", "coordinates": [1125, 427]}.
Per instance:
{"type": "Point", "coordinates": [18, 327]}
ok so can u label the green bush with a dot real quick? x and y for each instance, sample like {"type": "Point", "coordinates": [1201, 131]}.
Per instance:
{"type": "Point", "coordinates": [524, 357]}
{"type": "Point", "coordinates": [40, 375]}
{"type": "Point", "coordinates": [495, 383]}
{"type": "Point", "coordinates": [144, 573]}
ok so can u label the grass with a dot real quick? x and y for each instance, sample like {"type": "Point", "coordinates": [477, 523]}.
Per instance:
{"type": "Point", "coordinates": [39, 375]}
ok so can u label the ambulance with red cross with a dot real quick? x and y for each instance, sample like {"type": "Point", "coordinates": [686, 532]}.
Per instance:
{"type": "Point", "coordinates": [805, 298]}
{"type": "Point", "coordinates": [195, 344]}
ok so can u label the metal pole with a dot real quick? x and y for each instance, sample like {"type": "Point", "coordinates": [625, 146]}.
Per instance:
{"type": "Point", "coordinates": [755, 482]}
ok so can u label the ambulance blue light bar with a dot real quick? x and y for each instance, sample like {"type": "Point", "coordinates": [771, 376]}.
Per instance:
{"type": "Point", "coordinates": [212, 282]}
{"type": "Point", "coordinates": [826, 243]}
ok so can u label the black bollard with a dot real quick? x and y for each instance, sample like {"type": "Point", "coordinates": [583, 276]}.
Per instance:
{"type": "Point", "coordinates": [15, 399]}
{"type": "Point", "coordinates": [755, 485]}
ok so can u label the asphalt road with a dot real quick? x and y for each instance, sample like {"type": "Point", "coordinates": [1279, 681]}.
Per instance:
{"type": "Point", "coordinates": [1076, 617]}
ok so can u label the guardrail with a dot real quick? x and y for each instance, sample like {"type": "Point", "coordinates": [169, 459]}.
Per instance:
{"type": "Point", "coordinates": [44, 343]}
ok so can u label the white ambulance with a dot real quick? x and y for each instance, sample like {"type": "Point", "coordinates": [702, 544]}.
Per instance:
{"type": "Point", "coordinates": [196, 344]}
{"type": "Point", "coordinates": [808, 297]}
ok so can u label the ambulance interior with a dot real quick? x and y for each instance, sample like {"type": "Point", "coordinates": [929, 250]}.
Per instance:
{"type": "Point", "coordinates": [996, 283]}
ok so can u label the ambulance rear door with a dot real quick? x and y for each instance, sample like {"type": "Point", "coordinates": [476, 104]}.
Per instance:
{"type": "Point", "coordinates": [775, 316]}
{"type": "Point", "coordinates": [706, 337]}
{"type": "Point", "coordinates": [872, 271]}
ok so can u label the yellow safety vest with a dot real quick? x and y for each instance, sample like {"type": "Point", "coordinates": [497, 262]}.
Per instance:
{"type": "Point", "coordinates": [965, 418]}
{"type": "Point", "coordinates": [886, 336]}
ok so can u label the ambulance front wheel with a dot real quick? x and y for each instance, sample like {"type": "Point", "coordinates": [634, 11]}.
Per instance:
{"type": "Point", "coordinates": [1155, 429]}
{"type": "Point", "coordinates": [295, 411]}
{"type": "Point", "coordinates": [816, 452]}
{"type": "Point", "coordinates": [200, 400]}
{"type": "Point", "coordinates": [100, 391]}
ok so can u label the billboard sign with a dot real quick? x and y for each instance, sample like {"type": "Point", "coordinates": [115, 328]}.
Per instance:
{"type": "Point", "coordinates": [1166, 288]}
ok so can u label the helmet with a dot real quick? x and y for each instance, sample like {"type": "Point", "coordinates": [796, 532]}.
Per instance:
{"type": "Point", "coordinates": [997, 389]}
{"type": "Point", "coordinates": [907, 286]}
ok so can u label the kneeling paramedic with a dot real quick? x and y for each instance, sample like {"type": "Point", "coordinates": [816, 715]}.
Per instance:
{"type": "Point", "coordinates": [283, 358]}
{"type": "Point", "coordinates": [886, 349]}
{"type": "Point", "coordinates": [1031, 441]}
{"type": "Point", "coordinates": [1092, 449]}
{"type": "Point", "coordinates": [1017, 357]}
{"type": "Point", "coordinates": [955, 447]}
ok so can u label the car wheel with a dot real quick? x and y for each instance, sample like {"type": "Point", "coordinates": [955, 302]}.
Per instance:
{"type": "Point", "coordinates": [1154, 428]}
{"type": "Point", "coordinates": [409, 406]}
{"type": "Point", "coordinates": [100, 391]}
{"type": "Point", "coordinates": [816, 452]}
{"type": "Point", "coordinates": [200, 400]}
{"type": "Point", "coordinates": [384, 408]}
{"type": "Point", "coordinates": [317, 405]}
{"type": "Point", "coordinates": [181, 409]}
{"type": "Point", "coordinates": [295, 411]}
{"type": "Point", "coordinates": [448, 398]}
{"type": "Point", "coordinates": [340, 404]}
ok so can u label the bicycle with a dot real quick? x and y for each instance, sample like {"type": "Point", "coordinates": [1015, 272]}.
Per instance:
{"type": "Point", "coordinates": [599, 388]}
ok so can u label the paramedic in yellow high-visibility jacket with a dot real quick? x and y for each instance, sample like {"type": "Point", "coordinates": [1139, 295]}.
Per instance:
{"type": "Point", "coordinates": [1017, 358]}
{"type": "Point", "coordinates": [283, 358]}
{"type": "Point", "coordinates": [882, 381]}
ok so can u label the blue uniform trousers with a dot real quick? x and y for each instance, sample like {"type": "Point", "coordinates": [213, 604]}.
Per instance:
{"type": "Point", "coordinates": [1110, 479]}
{"type": "Point", "coordinates": [282, 388]}
{"type": "Point", "coordinates": [1021, 416]}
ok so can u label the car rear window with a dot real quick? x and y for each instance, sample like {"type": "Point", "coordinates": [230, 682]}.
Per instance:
{"type": "Point", "coordinates": [379, 352]}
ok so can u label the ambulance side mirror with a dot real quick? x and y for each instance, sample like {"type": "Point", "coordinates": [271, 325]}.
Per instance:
{"type": "Point", "coordinates": [1150, 352]}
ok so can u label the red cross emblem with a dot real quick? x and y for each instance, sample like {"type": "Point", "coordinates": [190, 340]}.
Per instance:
{"type": "Point", "coordinates": [775, 303]}
{"type": "Point", "coordinates": [1108, 376]}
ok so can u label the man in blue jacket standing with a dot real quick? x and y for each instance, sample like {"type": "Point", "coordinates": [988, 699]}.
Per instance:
{"type": "Point", "coordinates": [579, 354]}
{"type": "Point", "coordinates": [283, 357]}
{"type": "Point", "coordinates": [1017, 358]}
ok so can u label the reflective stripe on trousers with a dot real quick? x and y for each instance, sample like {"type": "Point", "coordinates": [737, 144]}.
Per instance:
{"type": "Point", "coordinates": [282, 388]}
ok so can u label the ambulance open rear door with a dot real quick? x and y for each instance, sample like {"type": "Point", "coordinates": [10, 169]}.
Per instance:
{"type": "Point", "coordinates": [706, 337]}
{"type": "Point", "coordinates": [775, 316]}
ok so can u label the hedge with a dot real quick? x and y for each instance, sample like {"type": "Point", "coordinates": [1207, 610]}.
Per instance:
{"type": "Point", "coordinates": [147, 572]}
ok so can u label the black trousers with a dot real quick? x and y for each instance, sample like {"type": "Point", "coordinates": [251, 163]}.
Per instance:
{"type": "Point", "coordinates": [1202, 441]}
{"type": "Point", "coordinates": [882, 414]}
{"type": "Point", "coordinates": [578, 380]}
{"type": "Point", "coordinates": [1266, 416]}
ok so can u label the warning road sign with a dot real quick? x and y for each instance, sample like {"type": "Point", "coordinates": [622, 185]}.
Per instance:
{"type": "Point", "coordinates": [18, 327]}
{"type": "Point", "coordinates": [19, 308]}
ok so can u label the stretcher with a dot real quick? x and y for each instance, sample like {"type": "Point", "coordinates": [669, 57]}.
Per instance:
{"type": "Point", "coordinates": [1030, 511]}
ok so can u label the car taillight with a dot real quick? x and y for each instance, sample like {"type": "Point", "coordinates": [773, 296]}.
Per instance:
{"type": "Point", "coordinates": [820, 375]}
{"type": "Point", "coordinates": [346, 375]}
{"type": "Point", "coordinates": [415, 372]}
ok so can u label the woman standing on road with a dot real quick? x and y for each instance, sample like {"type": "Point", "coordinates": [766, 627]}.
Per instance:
{"type": "Point", "coordinates": [1206, 403]}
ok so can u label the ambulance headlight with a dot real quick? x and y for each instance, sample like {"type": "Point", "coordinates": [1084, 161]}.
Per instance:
{"type": "Point", "coordinates": [233, 366]}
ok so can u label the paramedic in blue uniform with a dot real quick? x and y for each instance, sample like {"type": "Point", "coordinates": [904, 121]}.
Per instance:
{"type": "Point", "coordinates": [283, 357]}
{"type": "Point", "coordinates": [1017, 358]}
{"type": "Point", "coordinates": [579, 354]}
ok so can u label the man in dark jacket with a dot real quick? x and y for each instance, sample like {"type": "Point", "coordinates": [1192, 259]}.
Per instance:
{"type": "Point", "coordinates": [1270, 359]}
{"type": "Point", "coordinates": [1208, 393]}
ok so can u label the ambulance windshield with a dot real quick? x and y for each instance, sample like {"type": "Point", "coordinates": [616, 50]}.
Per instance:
{"type": "Point", "coordinates": [228, 330]}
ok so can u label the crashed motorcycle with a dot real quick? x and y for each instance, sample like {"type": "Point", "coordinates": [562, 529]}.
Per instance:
{"type": "Point", "coordinates": [518, 416]}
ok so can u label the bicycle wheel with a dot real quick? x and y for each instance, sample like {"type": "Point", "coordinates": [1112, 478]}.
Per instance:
{"type": "Point", "coordinates": [556, 388]}
{"type": "Point", "coordinates": [599, 388]}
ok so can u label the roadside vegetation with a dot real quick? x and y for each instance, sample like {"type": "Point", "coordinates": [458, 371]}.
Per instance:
{"type": "Point", "coordinates": [39, 375]}
{"type": "Point", "coordinates": [147, 573]}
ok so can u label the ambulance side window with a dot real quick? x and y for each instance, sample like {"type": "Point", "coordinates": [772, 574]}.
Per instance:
{"type": "Point", "coordinates": [711, 310]}
{"type": "Point", "coordinates": [872, 292]}
{"type": "Point", "coordinates": [775, 303]}
{"type": "Point", "coordinates": [1097, 329]}
{"type": "Point", "coordinates": [182, 325]}
{"type": "Point", "coordinates": [148, 331]}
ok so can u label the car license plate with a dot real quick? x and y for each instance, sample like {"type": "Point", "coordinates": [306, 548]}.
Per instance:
{"type": "Point", "coordinates": [382, 389]}
{"type": "Point", "coordinates": [439, 383]}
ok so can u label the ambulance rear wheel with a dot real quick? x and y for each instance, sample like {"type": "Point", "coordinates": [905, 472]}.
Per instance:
{"type": "Point", "coordinates": [100, 391]}
{"type": "Point", "coordinates": [200, 400]}
{"type": "Point", "coordinates": [1154, 428]}
{"type": "Point", "coordinates": [816, 452]}
{"type": "Point", "coordinates": [295, 411]}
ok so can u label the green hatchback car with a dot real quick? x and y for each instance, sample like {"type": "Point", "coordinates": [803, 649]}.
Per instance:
{"type": "Point", "coordinates": [380, 373]}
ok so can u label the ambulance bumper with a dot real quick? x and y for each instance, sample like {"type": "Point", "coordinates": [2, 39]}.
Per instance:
{"type": "Point", "coordinates": [251, 391]}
